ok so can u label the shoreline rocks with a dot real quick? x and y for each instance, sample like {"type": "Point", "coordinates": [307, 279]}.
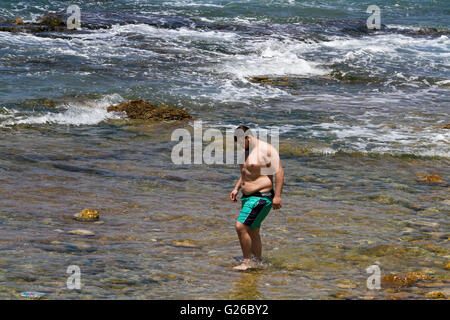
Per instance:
{"type": "Point", "coordinates": [143, 110]}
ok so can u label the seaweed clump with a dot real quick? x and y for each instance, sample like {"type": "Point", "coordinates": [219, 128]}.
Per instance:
{"type": "Point", "coordinates": [143, 110]}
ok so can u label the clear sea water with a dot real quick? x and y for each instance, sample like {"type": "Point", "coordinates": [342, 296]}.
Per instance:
{"type": "Point", "coordinates": [360, 118]}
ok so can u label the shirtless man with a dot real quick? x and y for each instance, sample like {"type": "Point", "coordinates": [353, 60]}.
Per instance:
{"type": "Point", "coordinates": [262, 162]}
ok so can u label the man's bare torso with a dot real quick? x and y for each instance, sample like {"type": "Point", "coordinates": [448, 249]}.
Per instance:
{"type": "Point", "coordinates": [252, 179]}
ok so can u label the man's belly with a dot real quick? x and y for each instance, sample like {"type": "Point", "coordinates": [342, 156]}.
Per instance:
{"type": "Point", "coordinates": [262, 184]}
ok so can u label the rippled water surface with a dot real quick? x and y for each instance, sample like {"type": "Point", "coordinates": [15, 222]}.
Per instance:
{"type": "Point", "coordinates": [361, 117]}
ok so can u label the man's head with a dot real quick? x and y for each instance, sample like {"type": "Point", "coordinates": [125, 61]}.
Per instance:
{"type": "Point", "coordinates": [243, 132]}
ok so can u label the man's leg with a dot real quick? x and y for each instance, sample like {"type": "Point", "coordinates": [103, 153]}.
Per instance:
{"type": "Point", "coordinates": [256, 243]}
{"type": "Point", "coordinates": [246, 245]}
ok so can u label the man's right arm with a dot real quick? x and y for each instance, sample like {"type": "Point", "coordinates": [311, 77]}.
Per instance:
{"type": "Point", "coordinates": [235, 191]}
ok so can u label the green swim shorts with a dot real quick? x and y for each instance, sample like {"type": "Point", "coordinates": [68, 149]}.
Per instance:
{"type": "Point", "coordinates": [255, 208]}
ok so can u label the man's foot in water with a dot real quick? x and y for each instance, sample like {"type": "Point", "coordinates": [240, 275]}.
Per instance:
{"type": "Point", "coordinates": [247, 264]}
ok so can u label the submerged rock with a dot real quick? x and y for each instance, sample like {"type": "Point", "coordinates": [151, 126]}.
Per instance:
{"type": "Point", "coordinates": [399, 296]}
{"type": "Point", "coordinates": [346, 284]}
{"type": "Point", "coordinates": [435, 295]}
{"type": "Point", "coordinates": [403, 279]}
{"type": "Point", "coordinates": [429, 178]}
{"type": "Point", "coordinates": [87, 215]}
{"type": "Point", "coordinates": [142, 110]}
{"type": "Point", "coordinates": [82, 232]}
{"type": "Point", "coordinates": [282, 82]}
{"type": "Point", "coordinates": [185, 244]}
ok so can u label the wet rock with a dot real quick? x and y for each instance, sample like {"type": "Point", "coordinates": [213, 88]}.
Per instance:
{"type": "Point", "coordinates": [435, 295]}
{"type": "Point", "coordinates": [82, 232]}
{"type": "Point", "coordinates": [282, 82]}
{"type": "Point", "coordinates": [429, 178]}
{"type": "Point", "coordinates": [140, 109]}
{"type": "Point", "coordinates": [403, 279]}
{"type": "Point", "coordinates": [53, 21]}
{"type": "Point", "coordinates": [18, 21]}
{"type": "Point", "coordinates": [50, 22]}
{"type": "Point", "coordinates": [258, 79]}
{"type": "Point", "coordinates": [87, 215]}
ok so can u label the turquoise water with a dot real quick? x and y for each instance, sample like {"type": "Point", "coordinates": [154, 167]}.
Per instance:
{"type": "Point", "coordinates": [360, 116]}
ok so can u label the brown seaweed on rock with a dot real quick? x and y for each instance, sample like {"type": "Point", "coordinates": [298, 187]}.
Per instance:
{"type": "Point", "coordinates": [48, 22]}
{"type": "Point", "coordinates": [429, 178]}
{"type": "Point", "coordinates": [143, 110]}
{"type": "Point", "coordinates": [403, 279]}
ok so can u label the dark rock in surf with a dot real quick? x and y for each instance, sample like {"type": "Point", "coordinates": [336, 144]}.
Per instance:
{"type": "Point", "coordinates": [142, 110]}
{"type": "Point", "coordinates": [49, 22]}
{"type": "Point", "coordinates": [53, 21]}
{"type": "Point", "coordinates": [280, 82]}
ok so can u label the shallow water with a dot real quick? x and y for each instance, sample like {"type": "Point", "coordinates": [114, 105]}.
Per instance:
{"type": "Point", "coordinates": [359, 122]}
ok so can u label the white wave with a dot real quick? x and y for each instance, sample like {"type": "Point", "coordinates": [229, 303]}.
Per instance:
{"type": "Point", "coordinates": [381, 138]}
{"type": "Point", "coordinates": [192, 4]}
{"type": "Point", "coordinates": [181, 33]}
{"type": "Point", "coordinates": [392, 48]}
{"type": "Point", "coordinates": [73, 113]}
{"type": "Point", "coordinates": [403, 27]}
{"type": "Point", "coordinates": [272, 57]}
{"type": "Point", "coordinates": [230, 92]}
